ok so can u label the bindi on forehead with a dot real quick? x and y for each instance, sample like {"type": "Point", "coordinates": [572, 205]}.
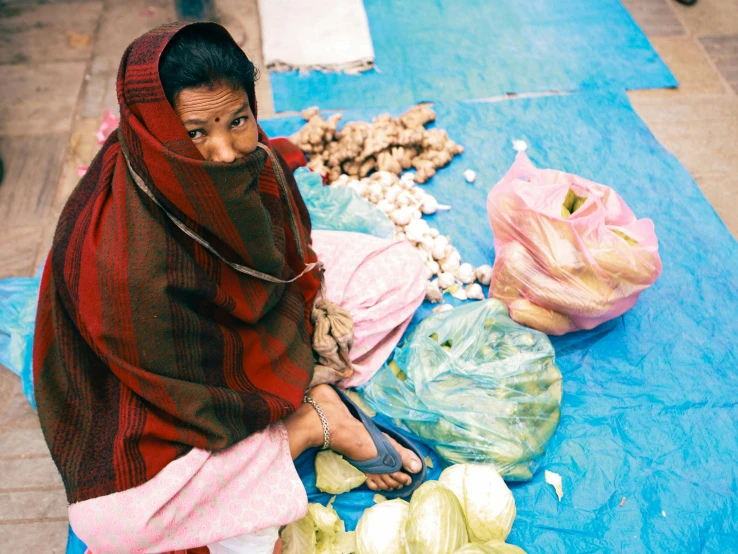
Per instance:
{"type": "Point", "coordinates": [217, 119]}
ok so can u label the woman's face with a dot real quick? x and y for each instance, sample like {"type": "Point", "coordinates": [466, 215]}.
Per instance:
{"type": "Point", "coordinates": [219, 121]}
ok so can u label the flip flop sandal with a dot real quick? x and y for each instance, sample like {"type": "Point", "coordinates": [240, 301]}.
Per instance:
{"type": "Point", "coordinates": [387, 459]}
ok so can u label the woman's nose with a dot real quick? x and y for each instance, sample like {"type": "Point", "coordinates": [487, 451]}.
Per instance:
{"type": "Point", "coordinates": [223, 151]}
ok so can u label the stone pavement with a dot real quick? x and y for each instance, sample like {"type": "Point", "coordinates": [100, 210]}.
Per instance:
{"type": "Point", "coordinates": [58, 61]}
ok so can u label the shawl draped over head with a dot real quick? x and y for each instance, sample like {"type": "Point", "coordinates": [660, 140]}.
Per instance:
{"type": "Point", "coordinates": [147, 343]}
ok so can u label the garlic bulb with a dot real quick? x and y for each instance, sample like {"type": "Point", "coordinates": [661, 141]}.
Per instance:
{"type": "Point", "coordinates": [474, 292]}
{"type": "Point", "coordinates": [465, 274]}
{"type": "Point", "coordinates": [359, 186]}
{"type": "Point", "coordinates": [386, 206]}
{"type": "Point", "coordinates": [470, 175]}
{"type": "Point", "coordinates": [403, 199]}
{"type": "Point", "coordinates": [433, 267]}
{"type": "Point", "coordinates": [445, 280]}
{"type": "Point", "coordinates": [426, 243]}
{"type": "Point", "coordinates": [442, 308]}
{"type": "Point", "coordinates": [484, 274]}
{"type": "Point", "coordinates": [418, 194]}
{"type": "Point", "coordinates": [407, 184]}
{"type": "Point", "coordinates": [404, 202]}
{"type": "Point", "coordinates": [440, 243]}
{"type": "Point", "coordinates": [375, 189]}
{"type": "Point", "coordinates": [431, 205]}
{"type": "Point", "coordinates": [420, 228]}
{"type": "Point", "coordinates": [392, 193]}
{"type": "Point", "coordinates": [401, 216]}
{"type": "Point", "coordinates": [452, 262]}
{"type": "Point", "coordinates": [433, 293]}
{"type": "Point", "coordinates": [452, 252]}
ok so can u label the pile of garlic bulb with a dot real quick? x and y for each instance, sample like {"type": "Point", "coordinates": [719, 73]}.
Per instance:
{"type": "Point", "coordinates": [405, 203]}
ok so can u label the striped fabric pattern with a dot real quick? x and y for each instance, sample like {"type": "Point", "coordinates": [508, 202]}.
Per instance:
{"type": "Point", "coordinates": [146, 344]}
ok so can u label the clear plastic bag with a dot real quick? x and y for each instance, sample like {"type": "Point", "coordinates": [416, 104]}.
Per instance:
{"type": "Point", "coordinates": [18, 304]}
{"type": "Point", "coordinates": [334, 209]}
{"type": "Point", "coordinates": [559, 272]}
{"type": "Point", "coordinates": [476, 386]}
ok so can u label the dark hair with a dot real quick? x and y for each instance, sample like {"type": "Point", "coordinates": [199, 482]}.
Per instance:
{"type": "Point", "coordinates": [202, 55]}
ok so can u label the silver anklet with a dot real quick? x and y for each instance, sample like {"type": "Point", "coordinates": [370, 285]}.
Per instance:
{"type": "Point", "coordinates": [323, 421]}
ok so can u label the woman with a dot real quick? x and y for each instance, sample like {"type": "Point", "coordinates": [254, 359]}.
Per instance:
{"type": "Point", "coordinates": [174, 340]}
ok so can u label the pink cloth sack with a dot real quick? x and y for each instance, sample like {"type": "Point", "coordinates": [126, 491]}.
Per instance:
{"type": "Point", "coordinates": [559, 274]}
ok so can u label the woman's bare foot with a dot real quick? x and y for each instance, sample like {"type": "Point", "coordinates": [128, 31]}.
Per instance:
{"type": "Point", "coordinates": [350, 438]}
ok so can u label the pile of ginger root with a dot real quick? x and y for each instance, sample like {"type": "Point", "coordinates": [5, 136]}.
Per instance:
{"type": "Point", "coordinates": [385, 144]}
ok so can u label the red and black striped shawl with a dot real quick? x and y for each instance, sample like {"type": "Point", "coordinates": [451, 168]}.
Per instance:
{"type": "Point", "coordinates": [147, 344]}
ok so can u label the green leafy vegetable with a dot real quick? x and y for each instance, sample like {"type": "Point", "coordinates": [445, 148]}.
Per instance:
{"type": "Point", "coordinates": [435, 521]}
{"type": "Point", "coordinates": [326, 520]}
{"type": "Point", "coordinates": [487, 502]}
{"type": "Point", "coordinates": [299, 537]}
{"type": "Point", "coordinates": [490, 547]}
{"type": "Point", "coordinates": [321, 531]}
{"type": "Point", "coordinates": [381, 530]}
{"type": "Point", "coordinates": [477, 386]}
{"type": "Point", "coordinates": [335, 475]}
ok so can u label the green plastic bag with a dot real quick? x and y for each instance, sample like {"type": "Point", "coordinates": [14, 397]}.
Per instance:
{"type": "Point", "coordinates": [476, 386]}
{"type": "Point", "coordinates": [334, 209]}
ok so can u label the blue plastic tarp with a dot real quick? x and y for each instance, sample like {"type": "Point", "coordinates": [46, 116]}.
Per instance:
{"type": "Point", "coordinates": [650, 410]}
{"type": "Point", "coordinates": [18, 303]}
{"type": "Point", "coordinates": [74, 544]}
{"type": "Point", "coordinates": [435, 50]}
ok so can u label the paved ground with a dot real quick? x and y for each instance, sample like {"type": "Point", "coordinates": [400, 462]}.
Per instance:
{"type": "Point", "coordinates": [58, 61]}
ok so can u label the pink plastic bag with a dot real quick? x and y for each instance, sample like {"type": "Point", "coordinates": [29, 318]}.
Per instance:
{"type": "Point", "coordinates": [109, 124]}
{"type": "Point", "coordinates": [559, 274]}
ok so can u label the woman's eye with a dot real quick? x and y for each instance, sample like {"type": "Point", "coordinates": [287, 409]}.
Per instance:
{"type": "Point", "coordinates": [194, 134]}
{"type": "Point", "coordinates": [239, 122]}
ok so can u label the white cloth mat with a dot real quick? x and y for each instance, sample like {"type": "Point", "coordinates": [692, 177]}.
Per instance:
{"type": "Point", "coordinates": [325, 35]}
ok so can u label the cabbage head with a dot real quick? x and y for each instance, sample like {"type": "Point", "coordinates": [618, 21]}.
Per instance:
{"type": "Point", "coordinates": [381, 530]}
{"type": "Point", "coordinates": [490, 547]}
{"type": "Point", "coordinates": [488, 504]}
{"type": "Point", "coordinates": [435, 521]}
{"type": "Point", "coordinates": [325, 519]}
{"type": "Point", "coordinates": [335, 475]}
{"type": "Point", "coordinates": [299, 537]}
{"type": "Point", "coordinates": [321, 531]}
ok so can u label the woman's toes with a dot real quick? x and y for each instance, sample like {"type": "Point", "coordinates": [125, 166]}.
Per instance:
{"type": "Point", "coordinates": [391, 483]}
{"type": "Point", "coordinates": [410, 461]}
{"type": "Point", "coordinates": [376, 483]}
{"type": "Point", "coordinates": [402, 478]}
{"type": "Point", "coordinates": [383, 483]}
